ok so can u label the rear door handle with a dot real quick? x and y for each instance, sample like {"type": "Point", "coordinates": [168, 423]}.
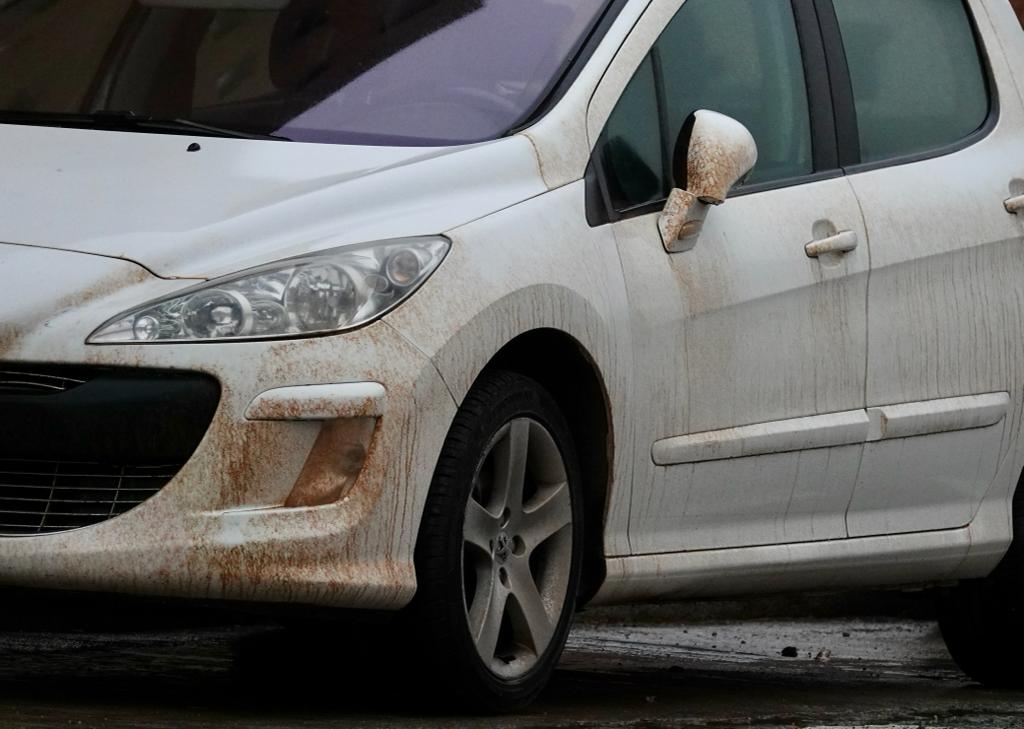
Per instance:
{"type": "Point", "coordinates": [1015, 205]}
{"type": "Point", "coordinates": [842, 242]}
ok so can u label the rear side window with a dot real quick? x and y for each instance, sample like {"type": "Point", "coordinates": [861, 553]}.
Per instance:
{"type": "Point", "coordinates": [917, 76]}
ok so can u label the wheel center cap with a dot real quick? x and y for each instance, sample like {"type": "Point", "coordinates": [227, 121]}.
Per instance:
{"type": "Point", "coordinates": [502, 547]}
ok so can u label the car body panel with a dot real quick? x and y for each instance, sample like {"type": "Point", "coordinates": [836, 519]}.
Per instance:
{"type": "Point", "coordinates": [665, 335]}
{"type": "Point", "coordinates": [750, 331]}
{"type": "Point", "coordinates": [218, 529]}
{"type": "Point", "coordinates": [240, 203]}
{"type": "Point", "coordinates": [942, 554]}
{"type": "Point", "coordinates": [741, 330]}
{"type": "Point", "coordinates": [946, 267]}
{"type": "Point", "coordinates": [532, 267]}
{"type": "Point", "coordinates": [1005, 26]}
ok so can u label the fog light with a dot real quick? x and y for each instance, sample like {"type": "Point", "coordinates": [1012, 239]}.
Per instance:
{"type": "Point", "coordinates": [334, 464]}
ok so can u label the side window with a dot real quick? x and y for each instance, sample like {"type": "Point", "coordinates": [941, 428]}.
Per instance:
{"type": "Point", "coordinates": [632, 146]}
{"type": "Point", "coordinates": [737, 57]}
{"type": "Point", "coordinates": [918, 80]}
{"type": "Point", "coordinates": [1018, 6]}
{"type": "Point", "coordinates": [742, 58]}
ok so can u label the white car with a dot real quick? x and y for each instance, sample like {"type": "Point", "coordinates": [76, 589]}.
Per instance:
{"type": "Point", "coordinates": [435, 307]}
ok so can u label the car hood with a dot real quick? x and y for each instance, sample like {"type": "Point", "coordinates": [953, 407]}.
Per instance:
{"type": "Point", "coordinates": [235, 203]}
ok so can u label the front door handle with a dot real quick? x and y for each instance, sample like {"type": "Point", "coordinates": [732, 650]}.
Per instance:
{"type": "Point", "coordinates": [1015, 205]}
{"type": "Point", "coordinates": [842, 242]}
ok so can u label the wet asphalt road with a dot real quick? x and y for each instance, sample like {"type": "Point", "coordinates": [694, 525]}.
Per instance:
{"type": "Point", "coordinates": [620, 670]}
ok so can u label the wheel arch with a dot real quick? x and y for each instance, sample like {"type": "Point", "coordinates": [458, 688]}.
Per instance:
{"type": "Point", "coordinates": [564, 367]}
{"type": "Point", "coordinates": [562, 336]}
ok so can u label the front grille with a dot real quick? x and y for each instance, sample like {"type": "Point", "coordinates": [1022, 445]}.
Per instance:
{"type": "Point", "coordinates": [42, 497]}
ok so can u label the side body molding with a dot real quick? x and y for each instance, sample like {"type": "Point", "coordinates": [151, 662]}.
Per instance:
{"type": "Point", "coordinates": [938, 416]}
{"type": "Point", "coordinates": [780, 436]}
{"type": "Point", "coordinates": [834, 429]}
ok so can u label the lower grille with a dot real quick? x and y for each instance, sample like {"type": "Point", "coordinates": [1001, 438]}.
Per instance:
{"type": "Point", "coordinates": [39, 380]}
{"type": "Point", "coordinates": [42, 497]}
{"type": "Point", "coordinates": [81, 444]}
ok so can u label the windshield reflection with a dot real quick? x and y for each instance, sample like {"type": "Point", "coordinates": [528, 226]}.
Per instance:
{"type": "Point", "coordinates": [416, 72]}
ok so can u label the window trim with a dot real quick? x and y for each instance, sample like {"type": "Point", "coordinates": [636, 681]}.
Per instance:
{"type": "Point", "coordinates": [820, 102]}
{"type": "Point", "coordinates": [660, 98]}
{"type": "Point", "coordinates": [848, 134]}
{"type": "Point", "coordinates": [820, 107]}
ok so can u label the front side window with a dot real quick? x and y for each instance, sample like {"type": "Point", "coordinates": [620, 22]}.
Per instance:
{"type": "Point", "coordinates": [742, 58]}
{"type": "Point", "coordinates": [918, 81]}
{"type": "Point", "coordinates": [737, 57]}
{"type": "Point", "coordinates": [633, 150]}
{"type": "Point", "coordinates": [414, 72]}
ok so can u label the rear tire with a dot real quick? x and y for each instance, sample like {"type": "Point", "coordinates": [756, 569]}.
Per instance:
{"type": "Point", "coordinates": [498, 557]}
{"type": "Point", "coordinates": [982, 620]}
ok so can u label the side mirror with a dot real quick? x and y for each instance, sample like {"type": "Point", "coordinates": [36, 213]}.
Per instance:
{"type": "Point", "coordinates": [714, 152]}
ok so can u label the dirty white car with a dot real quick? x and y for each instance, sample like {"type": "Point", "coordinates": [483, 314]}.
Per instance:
{"type": "Point", "coordinates": [435, 306]}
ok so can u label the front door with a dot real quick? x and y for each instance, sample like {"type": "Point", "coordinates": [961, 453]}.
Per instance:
{"type": "Point", "coordinates": [749, 353]}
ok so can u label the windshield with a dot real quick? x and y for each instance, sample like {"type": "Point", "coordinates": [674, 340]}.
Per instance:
{"type": "Point", "coordinates": [391, 72]}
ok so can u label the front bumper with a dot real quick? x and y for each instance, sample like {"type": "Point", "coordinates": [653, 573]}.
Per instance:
{"type": "Point", "coordinates": [220, 529]}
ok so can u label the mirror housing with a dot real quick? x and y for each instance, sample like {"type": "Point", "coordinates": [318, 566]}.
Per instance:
{"type": "Point", "coordinates": [714, 152]}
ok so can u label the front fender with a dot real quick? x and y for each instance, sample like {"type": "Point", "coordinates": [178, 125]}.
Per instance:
{"type": "Point", "coordinates": [537, 265]}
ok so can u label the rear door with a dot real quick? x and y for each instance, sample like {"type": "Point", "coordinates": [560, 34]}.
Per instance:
{"type": "Point", "coordinates": [934, 149]}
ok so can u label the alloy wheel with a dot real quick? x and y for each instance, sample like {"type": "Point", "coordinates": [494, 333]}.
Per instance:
{"type": "Point", "coordinates": [517, 547]}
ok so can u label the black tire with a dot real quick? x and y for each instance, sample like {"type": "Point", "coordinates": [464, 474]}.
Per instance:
{"type": "Point", "coordinates": [982, 620]}
{"type": "Point", "coordinates": [461, 678]}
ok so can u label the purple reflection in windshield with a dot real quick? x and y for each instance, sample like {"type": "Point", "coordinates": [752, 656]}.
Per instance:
{"type": "Point", "coordinates": [471, 77]}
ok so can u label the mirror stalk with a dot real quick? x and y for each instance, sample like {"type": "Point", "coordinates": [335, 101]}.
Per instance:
{"type": "Point", "coordinates": [682, 220]}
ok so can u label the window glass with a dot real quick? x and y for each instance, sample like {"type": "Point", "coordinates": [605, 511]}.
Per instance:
{"type": "Point", "coordinates": [1018, 7]}
{"type": "Point", "coordinates": [55, 73]}
{"type": "Point", "coordinates": [742, 58]}
{"type": "Point", "coordinates": [394, 72]}
{"type": "Point", "coordinates": [737, 57]}
{"type": "Point", "coordinates": [632, 147]}
{"type": "Point", "coordinates": [918, 82]}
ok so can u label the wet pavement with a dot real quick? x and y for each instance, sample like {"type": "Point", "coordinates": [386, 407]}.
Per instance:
{"type": "Point", "coordinates": [620, 670]}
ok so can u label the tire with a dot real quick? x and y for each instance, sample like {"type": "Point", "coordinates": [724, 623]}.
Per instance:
{"type": "Point", "coordinates": [982, 620]}
{"type": "Point", "coordinates": [498, 573]}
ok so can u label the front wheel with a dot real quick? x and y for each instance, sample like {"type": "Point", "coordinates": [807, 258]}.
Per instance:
{"type": "Point", "coordinates": [499, 552]}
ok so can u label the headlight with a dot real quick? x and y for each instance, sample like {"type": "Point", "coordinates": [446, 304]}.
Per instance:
{"type": "Point", "coordinates": [324, 292]}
